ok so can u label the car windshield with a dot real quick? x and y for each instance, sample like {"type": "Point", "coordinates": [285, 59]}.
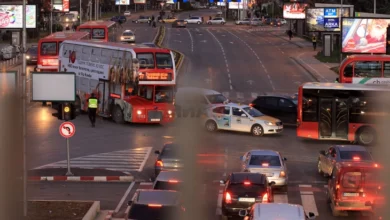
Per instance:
{"type": "Point", "coordinates": [167, 185]}
{"type": "Point", "coordinates": [49, 49]}
{"type": "Point", "coordinates": [241, 188]}
{"type": "Point", "coordinates": [216, 98]}
{"type": "Point", "coordinates": [128, 34]}
{"type": "Point", "coordinates": [359, 155]}
{"type": "Point", "coordinates": [253, 112]}
{"type": "Point", "coordinates": [261, 160]}
{"type": "Point", "coordinates": [32, 50]}
{"type": "Point", "coordinates": [144, 212]}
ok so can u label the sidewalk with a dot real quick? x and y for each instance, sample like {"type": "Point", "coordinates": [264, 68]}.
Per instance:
{"type": "Point", "coordinates": [305, 57]}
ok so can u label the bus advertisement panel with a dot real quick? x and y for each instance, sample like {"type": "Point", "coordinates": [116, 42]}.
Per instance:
{"type": "Point", "coordinates": [348, 112]}
{"type": "Point", "coordinates": [364, 35]}
{"type": "Point", "coordinates": [365, 69]}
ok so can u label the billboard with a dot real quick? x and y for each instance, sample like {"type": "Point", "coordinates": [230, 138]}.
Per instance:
{"type": "Point", "coordinates": [221, 3]}
{"type": "Point", "coordinates": [11, 16]}
{"type": "Point", "coordinates": [238, 5]}
{"type": "Point", "coordinates": [324, 19]}
{"type": "Point", "coordinates": [364, 35]}
{"type": "Point", "coordinates": [122, 2]}
{"type": "Point", "coordinates": [61, 5]}
{"type": "Point", "coordinates": [51, 86]}
{"type": "Point", "coordinates": [139, 1]}
{"type": "Point", "coordinates": [294, 10]}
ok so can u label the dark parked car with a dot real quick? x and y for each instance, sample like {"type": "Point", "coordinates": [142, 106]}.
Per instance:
{"type": "Point", "coordinates": [168, 159]}
{"type": "Point", "coordinates": [179, 23]}
{"type": "Point", "coordinates": [32, 55]}
{"type": "Point", "coordinates": [119, 18]}
{"type": "Point", "coordinates": [283, 107]}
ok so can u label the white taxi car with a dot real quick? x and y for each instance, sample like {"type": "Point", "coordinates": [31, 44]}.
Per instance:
{"type": "Point", "coordinates": [128, 36]}
{"type": "Point", "coordinates": [235, 117]}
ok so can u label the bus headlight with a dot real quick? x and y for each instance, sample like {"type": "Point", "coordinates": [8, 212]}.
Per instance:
{"type": "Point", "coordinates": [28, 57]}
{"type": "Point", "coordinates": [139, 112]}
{"type": "Point", "coordinates": [169, 112]}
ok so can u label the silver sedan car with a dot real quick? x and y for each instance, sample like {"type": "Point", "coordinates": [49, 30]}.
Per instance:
{"type": "Point", "coordinates": [217, 20]}
{"type": "Point", "coordinates": [268, 162]}
{"type": "Point", "coordinates": [341, 153]}
{"type": "Point", "coordinates": [245, 21]}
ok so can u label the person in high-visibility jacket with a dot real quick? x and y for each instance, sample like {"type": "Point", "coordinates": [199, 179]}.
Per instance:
{"type": "Point", "coordinates": [92, 108]}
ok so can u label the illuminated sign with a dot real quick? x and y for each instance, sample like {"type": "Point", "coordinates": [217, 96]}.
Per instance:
{"type": "Point", "coordinates": [331, 22]}
{"type": "Point", "coordinates": [155, 76]}
{"type": "Point", "coordinates": [11, 16]}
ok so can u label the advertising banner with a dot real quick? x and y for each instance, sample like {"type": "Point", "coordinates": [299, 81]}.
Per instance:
{"type": "Point", "coordinates": [221, 3]}
{"type": "Point", "coordinates": [364, 35]}
{"type": "Point", "coordinates": [324, 19]}
{"type": "Point", "coordinates": [294, 10]}
{"type": "Point", "coordinates": [65, 6]}
{"type": "Point", "coordinates": [139, 1]}
{"type": "Point", "coordinates": [11, 16]}
{"type": "Point", "coordinates": [238, 5]}
{"type": "Point", "coordinates": [123, 2]}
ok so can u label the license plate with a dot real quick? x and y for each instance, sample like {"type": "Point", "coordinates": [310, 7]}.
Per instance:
{"type": "Point", "coordinates": [351, 194]}
{"type": "Point", "coordinates": [280, 127]}
{"type": "Point", "coordinates": [155, 119]}
{"type": "Point", "coordinates": [246, 199]}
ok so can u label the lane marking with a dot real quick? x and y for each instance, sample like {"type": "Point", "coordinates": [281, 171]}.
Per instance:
{"type": "Point", "coordinates": [124, 197]}
{"type": "Point", "coordinates": [192, 40]}
{"type": "Point", "coordinates": [128, 207]}
{"type": "Point", "coordinates": [219, 205]}
{"type": "Point", "coordinates": [224, 56]}
{"type": "Point", "coordinates": [141, 167]}
{"type": "Point", "coordinates": [308, 201]}
{"type": "Point", "coordinates": [258, 58]}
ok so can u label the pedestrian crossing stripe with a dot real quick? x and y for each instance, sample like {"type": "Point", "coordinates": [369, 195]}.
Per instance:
{"type": "Point", "coordinates": [126, 160]}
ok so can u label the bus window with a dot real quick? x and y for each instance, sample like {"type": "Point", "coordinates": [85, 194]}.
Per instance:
{"type": "Point", "coordinates": [146, 92]}
{"type": "Point", "coordinates": [49, 49]}
{"type": "Point", "coordinates": [98, 33]}
{"type": "Point", "coordinates": [348, 70]}
{"type": "Point", "coordinates": [386, 69]}
{"type": "Point", "coordinates": [164, 94]}
{"type": "Point", "coordinates": [164, 61]}
{"type": "Point", "coordinates": [88, 30]}
{"type": "Point", "coordinates": [309, 108]}
{"type": "Point", "coordinates": [368, 69]}
{"type": "Point", "coordinates": [86, 55]}
{"type": "Point", "coordinates": [367, 109]}
{"type": "Point", "coordinates": [146, 60]}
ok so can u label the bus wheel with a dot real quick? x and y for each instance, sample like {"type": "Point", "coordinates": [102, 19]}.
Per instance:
{"type": "Point", "coordinates": [257, 130]}
{"type": "Point", "coordinates": [211, 126]}
{"type": "Point", "coordinates": [366, 136]}
{"type": "Point", "coordinates": [117, 115]}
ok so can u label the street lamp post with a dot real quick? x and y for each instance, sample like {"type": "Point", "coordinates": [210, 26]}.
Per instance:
{"type": "Point", "coordinates": [341, 34]}
{"type": "Point", "coordinates": [51, 16]}
{"type": "Point", "coordinates": [374, 6]}
{"type": "Point", "coordinates": [24, 114]}
{"type": "Point", "coordinates": [81, 13]}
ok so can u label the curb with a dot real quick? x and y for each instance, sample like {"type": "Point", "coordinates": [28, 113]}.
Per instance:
{"type": "Point", "coordinates": [305, 68]}
{"type": "Point", "coordinates": [82, 178]}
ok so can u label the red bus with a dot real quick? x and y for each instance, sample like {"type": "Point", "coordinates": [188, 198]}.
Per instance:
{"type": "Point", "coordinates": [134, 83]}
{"type": "Point", "coordinates": [49, 46]}
{"type": "Point", "coordinates": [334, 111]}
{"type": "Point", "coordinates": [365, 69]}
{"type": "Point", "coordinates": [100, 31]}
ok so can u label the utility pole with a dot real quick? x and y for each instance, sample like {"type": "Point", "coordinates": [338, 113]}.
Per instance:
{"type": "Point", "coordinates": [24, 114]}
{"type": "Point", "coordinates": [374, 6]}
{"type": "Point", "coordinates": [51, 15]}
{"type": "Point", "coordinates": [81, 12]}
{"type": "Point", "coordinates": [341, 34]}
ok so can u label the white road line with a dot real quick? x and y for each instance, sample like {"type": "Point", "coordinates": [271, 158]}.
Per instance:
{"type": "Point", "coordinates": [219, 205]}
{"type": "Point", "coordinates": [128, 207]}
{"type": "Point", "coordinates": [308, 201]}
{"type": "Point", "coordinates": [223, 54]}
{"type": "Point", "coordinates": [141, 167]}
{"type": "Point", "coordinates": [124, 197]}
{"type": "Point", "coordinates": [192, 40]}
{"type": "Point", "coordinates": [280, 198]}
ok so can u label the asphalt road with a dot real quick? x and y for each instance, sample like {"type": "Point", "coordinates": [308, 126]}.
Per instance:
{"type": "Point", "coordinates": [225, 58]}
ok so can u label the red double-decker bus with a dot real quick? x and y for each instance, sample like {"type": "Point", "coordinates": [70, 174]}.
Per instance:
{"type": "Point", "coordinates": [49, 46]}
{"type": "Point", "coordinates": [365, 69]}
{"type": "Point", "coordinates": [334, 111]}
{"type": "Point", "coordinates": [134, 83]}
{"type": "Point", "coordinates": [100, 31]}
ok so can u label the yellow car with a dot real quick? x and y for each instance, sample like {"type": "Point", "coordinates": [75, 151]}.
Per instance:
{"type": "Point", "coordinates": [168, 20]}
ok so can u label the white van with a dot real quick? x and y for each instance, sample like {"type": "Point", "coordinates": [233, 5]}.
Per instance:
{"type": "Point", "coordinates": [276, 211]}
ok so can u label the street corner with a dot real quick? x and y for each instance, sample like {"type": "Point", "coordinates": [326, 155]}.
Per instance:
{"type": "Point", "coordinates": [79, 175]}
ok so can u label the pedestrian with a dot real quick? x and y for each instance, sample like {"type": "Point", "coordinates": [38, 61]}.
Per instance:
{"type": "Point", "coordinates": [152, 17]}
{"type": "Point", "coordinates": [154, 23]}
{"type": "Point", "coordinates": [150, 21]}
{"type": "Point", "coordinates": [120, 23]}
{"type": "Point", "coordinates": [210, 18]}
{"type": "Point", "coordinates": [290, 33]}
{"type": "Point", "coordinates": [314, 40]}
{"type": "Point", "coordinates": [92, 108]}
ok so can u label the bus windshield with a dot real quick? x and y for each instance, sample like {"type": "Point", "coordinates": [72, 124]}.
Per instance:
{"type": "Point", "coordinates": [88, 30]}
{"type": "Point", "coordinates": [98, 33]}
{"type": "Point", "coordinates": [164, 94]}
{"type": "Point", "coordinates": [164, 61]}
{"type": "Point", "coordinates": [48, 49]}
{"type": "Point", "coordinates": [146, 60]}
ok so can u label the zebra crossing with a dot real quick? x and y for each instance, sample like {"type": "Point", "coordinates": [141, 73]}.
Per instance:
{"type": "Point", "coordinates": [125, 161]}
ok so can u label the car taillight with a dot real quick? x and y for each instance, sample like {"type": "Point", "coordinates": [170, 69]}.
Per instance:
{"type": "Point", "coordinates": [282, 174]}
{"type": "Point", "coordinates": [247, 183]}
{"type": "Point", "coordinates": [228, 198]}
{"type": "Point", "coordinates": [155, 205]}
{"type": "Point", "coordinates": [173, 181]}
{"type": "Point", "coordinates": [251, 104]}
{"type": "Point", "coordinates": [265, 197]}
{"type": "Point", "coordinates": [159, 163]}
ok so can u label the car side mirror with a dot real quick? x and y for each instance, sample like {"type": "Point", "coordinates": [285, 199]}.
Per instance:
{"type": "Point", "coordinates": [222, 182]}
{"type": "Point", "coordinates": [311, 215]}
{"type": "Point", "coordinates": [322, 152]}
{"type": "Point", "coordinates": [285, 159]}
{"type": "Point", "coordinates": [129, 203]}
{"type": "Point", "coordinates": [157, 152]}
{"type": "Point", "coordinates": [243, 115]}
{"type": "Point", "coordinates": [243, 213]}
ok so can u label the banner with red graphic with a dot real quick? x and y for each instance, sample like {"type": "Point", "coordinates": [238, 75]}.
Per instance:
{"type": "Point", "coordinates": [11, 16]}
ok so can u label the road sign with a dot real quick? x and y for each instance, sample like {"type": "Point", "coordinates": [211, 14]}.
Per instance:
{"type": "Point", "coordinates": [67, 129]}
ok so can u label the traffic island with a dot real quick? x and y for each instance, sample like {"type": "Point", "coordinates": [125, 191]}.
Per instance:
{"type": "Point", "coordinates": [56, 209]}
{"type": "Point", "coordinates": [79, 175]}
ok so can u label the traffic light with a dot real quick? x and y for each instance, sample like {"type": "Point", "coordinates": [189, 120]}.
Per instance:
{"type": "Point", "coordinates": [388, 40]}
{"type": "Point", "coordinates": [65, 111]}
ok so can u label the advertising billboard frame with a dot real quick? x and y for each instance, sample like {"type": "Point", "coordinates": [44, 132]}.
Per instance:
{"type": "Point", "coordinates": [291, 3]}
{"type": "Point", "coordinates": [45, 86]}
{"type": "Point", "coordinates": [36, 17]}
{"type": "Point", "coordinates": [338, 17]}
{"type": "Point", "coordinates": [129, 2]}
{"type": "Point", "coordinates": [341, 35]}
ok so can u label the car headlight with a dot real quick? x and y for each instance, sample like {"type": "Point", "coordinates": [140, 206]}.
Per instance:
{"type": "Point", "coordinates": [27, 57]}
{"type": "Point", "coordinates": [268, 123]}
{"type": "Point", "coordinates": [122, 38]}
{"type": "Point", "coordinates": [139, 112]}
{"type": "Point", "coordinates": [169, 112]}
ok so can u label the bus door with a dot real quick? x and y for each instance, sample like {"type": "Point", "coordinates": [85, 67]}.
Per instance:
{"type": "Point", "coordinates": [104, 97]}
{"type": "Point", "coordinates": [333, 118]}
